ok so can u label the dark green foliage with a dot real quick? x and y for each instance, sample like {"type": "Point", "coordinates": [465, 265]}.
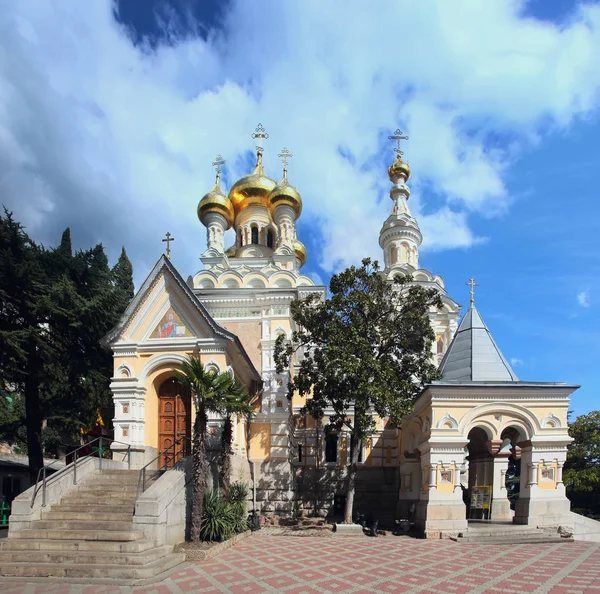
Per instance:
{"type": "Point", "coordinates": [582, 469]}
{"type": "Point", "coordinates": [217, 517]}
{"type": "Point", "coordinates": [238, 499]}
{"type": "Point", "coordinates": [222, 517]}
{"type": "Point", "coordinates": [366, 348]}
{"type": "Point", "coordinates": [55, 306]}
{"type": "Point", "coordinates": [123, 273]}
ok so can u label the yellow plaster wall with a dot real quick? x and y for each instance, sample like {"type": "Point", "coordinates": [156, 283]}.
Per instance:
{"type": "Point", "coordinates": [260, 441]}
{"type": "Point", "coordinates": [250, 334]}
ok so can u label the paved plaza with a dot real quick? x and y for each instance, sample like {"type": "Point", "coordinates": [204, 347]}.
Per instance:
{"type": "Point", "coordinates": [389, 564]}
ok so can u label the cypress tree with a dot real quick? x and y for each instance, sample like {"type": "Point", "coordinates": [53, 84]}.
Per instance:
{"type": "Point", "coordinates": [123, 274]}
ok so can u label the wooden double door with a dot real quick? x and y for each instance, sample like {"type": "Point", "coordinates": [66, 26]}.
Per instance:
{"type": "Point", "coordinates": [174, 423]}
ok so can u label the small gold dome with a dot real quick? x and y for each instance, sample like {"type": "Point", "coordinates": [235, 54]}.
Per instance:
{"type": "Point", "coordinates": [230, 253]}
{"type": "Point", "coordinates": [300, 251]}
{"type": "Point", "coordinates": [216, 201]}
{"type": "Point", "coordinates": [283, 193]}
{"type": "Point", "coordinates": [399, 167]}
{"type": "Point", "coordinates": [252, 189]}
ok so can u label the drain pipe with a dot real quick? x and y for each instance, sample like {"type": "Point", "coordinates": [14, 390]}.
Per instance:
{"type": "Point", "coordinates": [254, 487]}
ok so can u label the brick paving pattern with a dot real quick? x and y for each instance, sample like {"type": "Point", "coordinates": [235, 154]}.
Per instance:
{"type": "Point", "coordinates": [389, 564]}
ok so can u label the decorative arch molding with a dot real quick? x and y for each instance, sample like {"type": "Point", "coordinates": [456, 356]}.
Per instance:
{"type": "Point", "coordinates": [490, 430]}
{"type": "Point", "coordinates": [513, 411]}
{"type": "Point", "coordinates": [447, 422]}
{"type": "Point", "coordinates": [279, 330]}
{"type": "Point", "coordinates": [212, 365]}
{"type": "Point", "coordinates": [123, 371]}
{"type": "Point", "coordinates": [551, 422]}
{"type": "Point", "coordinates": [158, 361]}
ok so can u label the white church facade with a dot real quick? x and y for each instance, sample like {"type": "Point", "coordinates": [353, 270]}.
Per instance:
{"type": "Point", "coordinates": [449, 460]}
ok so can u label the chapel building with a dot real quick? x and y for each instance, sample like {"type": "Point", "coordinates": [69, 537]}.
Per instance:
{"type": "Point", "coordinates": [448, 461]}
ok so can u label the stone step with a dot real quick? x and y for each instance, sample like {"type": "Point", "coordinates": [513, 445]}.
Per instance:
{"type": "Point", "coordinates": [514, 540]}
{"type": "Point", "coordinates": [94, 508]}
{"type": "Point", "coordinates": [83, 534]}
{"type": "Point", "coordinates": [110, 482]}
{"type": "Point", "coordinates": [106, 488]}
{"type": "Point", "coordinates": [83, 498]}
{"type": "Point", "coordinates": [89, 524]}
{"type": "Point", "coordinates": [100, 515]}
{"type": "Point", "coordinates": [101, 546]}
{"type": "Point", "coordinates": [87, 557]}
{"type": "Point", "coordinates": [484, 534]}
{"type": "Point", "coordinates": [102, 571]}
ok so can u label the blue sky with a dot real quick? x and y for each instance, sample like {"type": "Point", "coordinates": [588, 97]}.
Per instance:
{"type": "Point", "coordinates": [111, 114]}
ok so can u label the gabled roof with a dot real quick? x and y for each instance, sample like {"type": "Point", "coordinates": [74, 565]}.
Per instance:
{"type": "Point", "coordinates": [164, 265]}
{"type": "Point", "coordinates": [473, 356]}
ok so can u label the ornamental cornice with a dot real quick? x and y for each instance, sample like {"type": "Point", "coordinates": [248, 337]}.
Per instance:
{"type": "Point", "coordinates": [389, 233]}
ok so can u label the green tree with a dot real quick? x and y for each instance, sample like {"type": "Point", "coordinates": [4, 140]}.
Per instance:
{"type": "Point", "coordinates": [237, 403]}
{"type": "Point", "coordinates": [55, 306]}
{"type": "Point", "coordinates": [24, 344]}
{"type": "Point", "coordinates": [211, 391]}
{"type": "Point", "coordinates": [123, 275]}
{"type": "Point", "coordinates": [367, 349]}
{"type": "Point", "coordinates": [582, 469]}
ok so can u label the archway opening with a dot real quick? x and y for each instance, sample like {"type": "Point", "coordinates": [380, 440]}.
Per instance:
{"type": "Point", "coordinates": [478, 496]}
{"type": "Point", "coordinates": [510, 437]}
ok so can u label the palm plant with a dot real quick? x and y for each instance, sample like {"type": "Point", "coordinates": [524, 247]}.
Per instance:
{"type": "Point", "coordinates": [236, 403]}
{"type": "Point", "coordinates": [211, 391]}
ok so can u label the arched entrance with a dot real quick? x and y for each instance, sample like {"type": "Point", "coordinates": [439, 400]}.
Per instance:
{"type": "Point", "coordinates": [492, 462]}
{"type": "Point", "coordinates": [174, 422]}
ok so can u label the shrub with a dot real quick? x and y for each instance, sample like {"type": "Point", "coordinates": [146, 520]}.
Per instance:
{"type": "Point", "coordinates": [222, 519]}
{"type": "Point", "coordinates": [218, 519]}
{"type": "Point", "coordinates": [238, 496]}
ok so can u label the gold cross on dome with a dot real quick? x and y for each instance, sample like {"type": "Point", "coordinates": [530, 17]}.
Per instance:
{"type": "Point", "coordinates": [472, 284]}
{"type": "Point", "coordinates": [169, 239]}
{"type": "Point", "coordinates": [217, 163]}
{"type": "Point", "coordinates": [398, 136]}
{"type": "Point", "coordinates": [284, 155]}
{"type": "Point", "coordinates": [258, 134]}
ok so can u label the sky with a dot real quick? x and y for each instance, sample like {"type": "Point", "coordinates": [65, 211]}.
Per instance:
{"type": "Point", "coordinates": [111, 114]}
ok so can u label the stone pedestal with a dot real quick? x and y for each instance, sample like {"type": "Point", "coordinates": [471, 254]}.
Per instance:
{"type": "Point", "coordinates": [500, 504]}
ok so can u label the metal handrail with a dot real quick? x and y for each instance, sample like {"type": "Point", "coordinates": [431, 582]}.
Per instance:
{"type": "Point", "coordinates": [142, 477]}
{"type": "Point", "coordinates": [43, 471]}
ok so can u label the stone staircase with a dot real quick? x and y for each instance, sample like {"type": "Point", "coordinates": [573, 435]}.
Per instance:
{"type": "Point", "coordinates": [507, 533]}
{"type": "Point", "coordinates": [89, 534]}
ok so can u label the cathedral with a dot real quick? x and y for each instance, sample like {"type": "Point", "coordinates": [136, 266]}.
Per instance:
{"type": "Point", "coordinates": [447, 463]}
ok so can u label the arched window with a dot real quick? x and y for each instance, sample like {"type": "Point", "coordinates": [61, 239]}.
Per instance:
{"type": "Point", "coordinates": [440, 346]}
{"type": "Point", "coordinates": [270, 238]}
{"type": "Point", "coordinates": [255, 235]}
{"type": "Point", "coordinates": [393, 255]}
{"type": "Point", "coordinates": [241, 237]}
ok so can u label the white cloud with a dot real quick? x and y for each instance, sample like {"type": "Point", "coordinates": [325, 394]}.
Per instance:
{"type": "Point", "coordinates": [515, 361]}
{"type": "Point", "coordinates": [117, 140]}
{"type": "Point", "coordinates": [583, 298]}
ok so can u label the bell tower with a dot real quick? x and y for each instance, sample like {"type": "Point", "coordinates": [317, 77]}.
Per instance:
{"type": "Point", "coordinates": [400, 236]}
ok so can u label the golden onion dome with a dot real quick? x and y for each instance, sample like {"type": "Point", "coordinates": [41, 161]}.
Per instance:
{"type": "Point", "coordinates": [300, 251]}
{"type": "Point", "coordinates": [285, 194]}
{"type": "Point", "coordinates": [230, 253]}
{"type": "Point", "coordinates": [254, 189]}
{"type": "Point", "coordinates": [216, 202]}
{"type": "Point", "coordinates": [397, 168]}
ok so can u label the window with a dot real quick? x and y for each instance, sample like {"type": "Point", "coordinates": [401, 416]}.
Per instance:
{"type": "Point", "coordinates": [440, 346]}
{"type": "Point", "coordinates": [331, 447]}
{"type": "Point", "coordinates": [270, 239]}
{"type": "Point", "coordinates": [299, 452]}
{"type": "Point", "coordinates": [255, 235]}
